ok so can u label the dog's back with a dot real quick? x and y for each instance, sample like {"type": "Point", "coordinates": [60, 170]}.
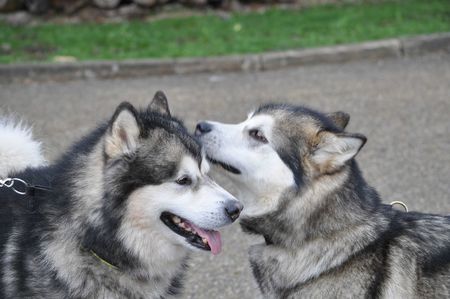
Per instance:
{"type": "Point", "coordinates": [410, 259]}
{"type": "Point", "coordinates": [420, 255]}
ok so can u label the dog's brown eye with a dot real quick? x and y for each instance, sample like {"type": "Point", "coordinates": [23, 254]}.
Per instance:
{"type": "Point", "coordinates": [184, 180]}
{"type": "Point", "coordinates": [258, 135]}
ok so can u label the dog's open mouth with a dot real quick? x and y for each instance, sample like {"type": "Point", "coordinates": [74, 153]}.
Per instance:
{"type": "Point", "coordinates": [209, 240]}
{"type": "Point", "coordinates": [225, 166]}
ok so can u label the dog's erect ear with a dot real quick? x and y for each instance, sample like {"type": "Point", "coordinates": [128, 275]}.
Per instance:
{"type": "Point", "coordinates": [340, 119]}
{"type": "Point", "coordinates": [335, 149]}
{"type": "Point", "coordinates": [123, 132]}
{"type": "Point", "coordinates": [159, 104]}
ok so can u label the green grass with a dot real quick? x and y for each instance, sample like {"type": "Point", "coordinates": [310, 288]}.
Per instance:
{"type": "Point", "coordinates": [241, 33]}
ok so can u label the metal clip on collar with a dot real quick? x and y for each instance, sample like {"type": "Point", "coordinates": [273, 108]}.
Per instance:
{"type": "Point", "coordinates": [21, 188]}
{"type": "Point", "coordinates": [400, 203]}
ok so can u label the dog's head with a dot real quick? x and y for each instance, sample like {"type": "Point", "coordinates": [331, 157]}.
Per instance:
{"type": "Point", "coordinates": [279, 147]}
{"type": "Point", "coordinates": [156, 182]}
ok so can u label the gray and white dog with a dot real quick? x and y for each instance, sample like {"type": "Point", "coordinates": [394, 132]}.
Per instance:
{"type": "Point", "coordinates": [116, 216]}
{"type": "Point", "coordinates": [327, 234]}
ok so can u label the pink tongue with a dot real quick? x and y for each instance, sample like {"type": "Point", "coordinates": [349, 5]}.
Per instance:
{"type": "Point", "coordinates": [213, 237]}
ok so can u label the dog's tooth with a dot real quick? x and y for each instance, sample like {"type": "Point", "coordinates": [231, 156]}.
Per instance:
{"type": "Point", "coordinates": [176, 219]}
{"type": "Point", "coordinates": [187, 228]}
{"type": "Point", "coordinates": [204, 241]}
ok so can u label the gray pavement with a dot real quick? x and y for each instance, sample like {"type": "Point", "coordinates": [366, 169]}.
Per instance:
{"type": "Point", "coordinates": [402, 105]}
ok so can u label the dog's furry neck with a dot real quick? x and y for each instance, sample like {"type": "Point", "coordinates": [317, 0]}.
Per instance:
{"type": "Point", "coordinates": [316, 230]}
{"type": "Point", "coordinates": [332, 205]}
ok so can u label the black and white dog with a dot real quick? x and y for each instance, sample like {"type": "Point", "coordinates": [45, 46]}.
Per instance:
{"type": "Point", "coordinates": [115, 217]}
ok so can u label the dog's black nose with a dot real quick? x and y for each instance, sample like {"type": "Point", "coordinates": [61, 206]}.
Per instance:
{"type": "Point", "coordinates": [233, 208]}
{"type": "Point", "coordinates": [202, 128]}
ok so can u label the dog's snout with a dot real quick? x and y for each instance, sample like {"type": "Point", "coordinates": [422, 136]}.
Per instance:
{"type": "Point", "coordinates": [203, 127]}
{"type": "Point", "coordinates": [233, 208]}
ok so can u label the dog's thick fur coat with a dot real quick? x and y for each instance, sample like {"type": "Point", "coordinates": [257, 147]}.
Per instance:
{"type": "Point", "coordinates": [327, 233]}
{"type": "Point", "coordinates": [99, 231]}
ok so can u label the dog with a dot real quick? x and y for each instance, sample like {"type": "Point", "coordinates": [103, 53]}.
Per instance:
{"type": "Point", "coordinates": [116, 216]}
{"type": "Point", "coordinates": [327, 234]}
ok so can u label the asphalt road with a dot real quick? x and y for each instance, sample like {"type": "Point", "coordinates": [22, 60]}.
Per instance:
{"type": "Point", "coordinates": [401, 105]}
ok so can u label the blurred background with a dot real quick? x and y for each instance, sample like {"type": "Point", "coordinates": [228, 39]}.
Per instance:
{"type": "Point", "coordinates": [74, 30]}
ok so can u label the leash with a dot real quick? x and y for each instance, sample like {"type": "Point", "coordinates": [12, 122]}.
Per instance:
{"type": "Point", "coordinates": [21, 187]}
{"type": "Point", "coordinates": [400, 203]}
